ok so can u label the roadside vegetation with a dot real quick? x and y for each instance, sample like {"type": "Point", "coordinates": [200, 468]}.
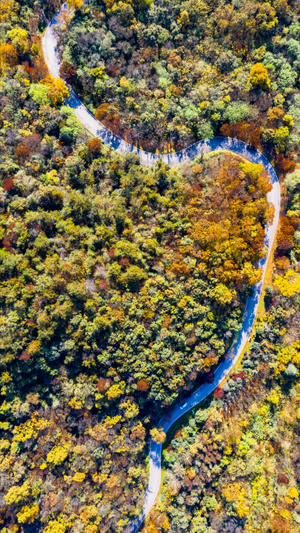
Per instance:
{"type": "Point", "coordinates": [235, 464]}
{"type": "Point", "coordinates": [121, 286]}
{"type": "Point", "coordinates": [166, 74]}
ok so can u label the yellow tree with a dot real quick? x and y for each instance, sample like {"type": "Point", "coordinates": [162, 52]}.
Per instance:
{"type": "Point", "coordinates": [57, 90]}
{"type": "Point", "coordinates": [183, 20]}
{"type": "Point", "coordinates": [259, 77]}
{"type": "Point", "coordinates": [157, 435]}
{"type": "Point", "coordinates": [8, 55]}
{"type": "Point", "coordinates": [19, 39]}
{"type": "Point", "coordinates": [8, 9]}
{"type": "Point", "coordinates": [75, 4]}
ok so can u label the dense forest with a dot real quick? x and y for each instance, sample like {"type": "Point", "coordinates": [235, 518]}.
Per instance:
{"type": "Point", "coordinates": [234, 465]}
{"type": "Point", "coordinates": [170, 73]}
{"type": "Point", "coordinates": [123, 286]}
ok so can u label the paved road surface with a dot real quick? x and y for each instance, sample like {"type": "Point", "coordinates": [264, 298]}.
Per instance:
{"type": "Point", "coordinates": [174, 159]}
{"type": "Point", "coordinates": [224, 368]}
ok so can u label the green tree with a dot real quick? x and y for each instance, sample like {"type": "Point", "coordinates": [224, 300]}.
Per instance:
{"type": "Point", "coordinates": [236, 112]}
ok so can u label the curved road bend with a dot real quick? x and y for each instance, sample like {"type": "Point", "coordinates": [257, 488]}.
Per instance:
{"type": "Point", "coordinates": [247, 324]}
{"type": "Point", "coordinates": [173, 159]}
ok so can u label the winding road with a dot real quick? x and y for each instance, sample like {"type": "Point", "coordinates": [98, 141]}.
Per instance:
{"type": "Point", "coordinates": [95, 127]}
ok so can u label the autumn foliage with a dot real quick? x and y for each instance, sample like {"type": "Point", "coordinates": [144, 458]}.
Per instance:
{"type": "Point", "coordinates": [258, 77]}
{"type": "Point", "coordinates": [57, 90]}
{"type": "Point", "coordinates": [122, 286]}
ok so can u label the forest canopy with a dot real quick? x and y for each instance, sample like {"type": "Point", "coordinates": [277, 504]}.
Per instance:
{"type": "Point", "coordinates": [122, 287]}
{"type": "Point", "coordinates": [168, 73]}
